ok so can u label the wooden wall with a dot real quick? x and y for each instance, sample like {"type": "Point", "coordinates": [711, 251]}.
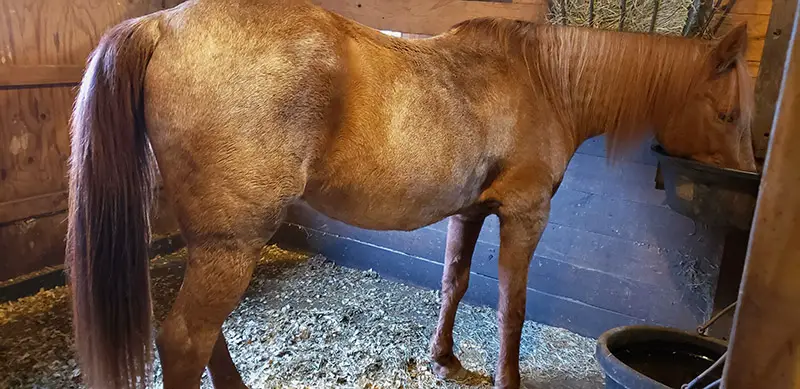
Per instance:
{"type": "Point", "coordinates": [43, 49]}
{"type": "Point", "coordinates": [756, 14]}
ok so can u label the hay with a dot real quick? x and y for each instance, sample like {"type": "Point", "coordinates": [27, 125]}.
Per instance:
{"type": "Point", "coordinates": [670, 19]}
{"type": "Point", "coordinates": [307, 323]}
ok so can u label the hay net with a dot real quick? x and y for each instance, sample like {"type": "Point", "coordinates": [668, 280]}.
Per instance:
{"type": "Point", "coordinates": [668, 17]}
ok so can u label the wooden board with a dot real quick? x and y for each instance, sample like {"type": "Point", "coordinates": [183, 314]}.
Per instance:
{"type": "Point", "coordinates": [771, 72]}
{"type": "Point", "coordinates": [429, 17]}
{"type": "Point", "coordinates": [44, 43]}
{"type": "Point", "coordinates": [34, 137]}
{"type": "Point", "coordinates": [46, 32]}
{"type": "Point", "coordinates": [32, 75]}
{"type": "Point", "coordinates": [752, 7]}
{"type": "Point", "coordinates": [765, 346]}
{"type": "Point", "coordinates": [756, 31]}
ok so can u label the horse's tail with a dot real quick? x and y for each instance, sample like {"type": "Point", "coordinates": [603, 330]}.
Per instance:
{"type": "Point", "coordinates": [111, 184]}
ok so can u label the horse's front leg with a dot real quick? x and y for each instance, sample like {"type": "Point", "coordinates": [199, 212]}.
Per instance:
{"type": "Point", "coordinates": [519, 234]}
{"type": "Point", "coordinates": [462, 234]}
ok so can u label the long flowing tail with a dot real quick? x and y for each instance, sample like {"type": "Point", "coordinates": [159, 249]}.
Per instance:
{"type": "Point", "coordinates": [111, 182]}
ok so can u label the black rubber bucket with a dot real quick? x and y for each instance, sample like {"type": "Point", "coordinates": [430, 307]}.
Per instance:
{"type": "Point", "coordinates": [708, 194]}
{"type": "Point", "coordinates": [647, 357]}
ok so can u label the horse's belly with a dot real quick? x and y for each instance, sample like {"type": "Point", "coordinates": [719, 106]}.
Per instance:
{"type": "Point", "coordinates": [399, 201]}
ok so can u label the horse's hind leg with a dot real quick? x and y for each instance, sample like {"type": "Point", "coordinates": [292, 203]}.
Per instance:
{"type": "Point", "coordinates": [462, 235]}
{"type": "Point", "coordinates": [217, 273]}
{"type": "Point", "coordinates": [221, 367]}
{"type": "Point", "coordinates": [225, 225]}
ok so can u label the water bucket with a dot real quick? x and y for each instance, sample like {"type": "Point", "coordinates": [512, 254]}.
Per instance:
{"type": "Point", "coordinates": [649, 357]}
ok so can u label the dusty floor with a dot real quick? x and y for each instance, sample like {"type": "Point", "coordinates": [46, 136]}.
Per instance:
{"type": "Point", "coordinates": [306, 323]}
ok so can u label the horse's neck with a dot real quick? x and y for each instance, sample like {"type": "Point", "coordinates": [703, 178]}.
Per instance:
{"type": "Point", "coordinates": [620, 84]}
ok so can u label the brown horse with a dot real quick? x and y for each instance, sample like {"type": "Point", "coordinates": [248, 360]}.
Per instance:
{"type": "Point", "coordinates": [249, 106]}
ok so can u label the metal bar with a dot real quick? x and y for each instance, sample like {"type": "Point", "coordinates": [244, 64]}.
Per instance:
{"type": "Point", "coordinates": [656, 3]}
{"type": "Point", "coordinates": [714, 384]}
{"type": "Point", "coordinates": [708, 371]}
{"type": "Point", "coordinates": [564, 12]}
{"type": "Point", "coordinates": [591, 13]}
{"type": "Point", "coordinates": [691, 20]}
{"type": "Point", "coordinates": [727, 10]}
{"type": "Point", "coordinates": [622, 6]}
{"type": "Point", "coordinates": [703, 328]}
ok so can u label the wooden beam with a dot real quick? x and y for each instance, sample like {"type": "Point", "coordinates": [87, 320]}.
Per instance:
{"type": "Point", "coordinates": [427, 16]}
{"type": "Point", "coordinates": [770, 71]}
{"type": "Point", "coordinates": [30, 207]}
{"type": "Point", "coordinates": [765, 346]}
{"type": "Point", "coordinates": [32, 75]}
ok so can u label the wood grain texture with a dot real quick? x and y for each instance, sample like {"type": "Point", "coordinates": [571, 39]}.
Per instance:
{"type": "Point", "coordinates": [34, 139]}
{"type": "Point", "coordinates": [752, 7]}
{"type": "Point", "coordinates": [43, 42]}
{"type": "Point", "coordinates": [429, 17]}
{"type": "Point", "coordinates": [46, 32]}
{"type": "Point", "coordinates": [771, 72]}
{"type": "Point", "coordinates": [765, 346]}
{"type": "Point", "coordinates": [30, 244]}
{"type": "Point", "coordinates": [38, 75]}
{"type": "Point", "coordinates": [756, 31]}
{"type": "Point", "coordinates": [49, 203]}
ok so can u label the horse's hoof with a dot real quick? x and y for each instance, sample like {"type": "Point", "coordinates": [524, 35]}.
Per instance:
{"type": "Point", "coordinates": [458, 374]}
{"type": "Point", "coordinates": [453, 372]}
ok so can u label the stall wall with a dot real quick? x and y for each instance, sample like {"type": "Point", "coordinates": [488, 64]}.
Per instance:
{"type": "Point", "coordinates": [43, 47]}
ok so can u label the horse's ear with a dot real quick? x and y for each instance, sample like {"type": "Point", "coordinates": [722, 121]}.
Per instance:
{"type": "Point", "coordinates": [730, 47]}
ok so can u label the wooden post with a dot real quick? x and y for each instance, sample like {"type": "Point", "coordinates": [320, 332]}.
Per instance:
{"type": "Point", "coordinates": [770, 73]}
{"type": "Point", "coordinates": [765, 345]}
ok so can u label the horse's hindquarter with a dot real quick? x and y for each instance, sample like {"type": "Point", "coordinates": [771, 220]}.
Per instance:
{"type": "Point", "coordinates": [236, 103]}
{"type": "Point", "coordinates": [416, 141]}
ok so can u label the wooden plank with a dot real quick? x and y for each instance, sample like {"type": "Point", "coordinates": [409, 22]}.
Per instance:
{"type": "Point", "coordinates": [757, 26]}
{"type": "Point", "coordinates": [34, 139]}
{"type": "Point", "coordinates": [626, 180]}
{"type": "Point", "coordinates": [43, 32]}
{"type": "Point", "coordinates": [34, 75]}
{"type": "Point", "coordinates": [31, 245]}
{"type": "Point", "coordinates": [43, 42]}
{"type": "Point", "coordinates": [429, 17]}
{"type": "Point", "coordinates": [34, 243]}
{"type": "Point", "coordinates": [765, 345]}
{"type": "Point", "coordinates": [597, 146]}
{"type": "Point", "coordinates": [752, 67]}
{"type": "Point", "coordinates": [771, 72]}
{"type": "Point", "coordinates": [16, 210]}
{"type": "Point", "coordinates": [757, 7]}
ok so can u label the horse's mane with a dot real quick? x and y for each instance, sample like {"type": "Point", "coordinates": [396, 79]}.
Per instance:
{"type": "Point", "coordinates": [623, 84]}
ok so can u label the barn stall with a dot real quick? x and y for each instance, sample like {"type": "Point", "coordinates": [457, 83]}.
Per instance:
{"type": "Point", "coordinates": [615, 252]}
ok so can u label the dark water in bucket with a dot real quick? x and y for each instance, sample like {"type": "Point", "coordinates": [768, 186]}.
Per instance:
{"type": "Point", "coordinates": [668, 363]}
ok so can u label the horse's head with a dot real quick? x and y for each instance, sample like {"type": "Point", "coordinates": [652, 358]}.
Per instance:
{"type": "Point", "coordinates": [714, 128]}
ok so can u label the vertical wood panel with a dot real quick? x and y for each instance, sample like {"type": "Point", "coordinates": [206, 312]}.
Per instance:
{"type": "Point", "coordinates": [35, 141]}
{"type": "Point", "coordinates": [765, 347]}
{"type": "Point", "coordinates": [771, 72]}
{"type": "Point", "coordinates": [48, 41]}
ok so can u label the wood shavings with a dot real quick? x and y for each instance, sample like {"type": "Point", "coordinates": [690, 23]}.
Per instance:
{"type": "Point", "coordinates": [307, 323]}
